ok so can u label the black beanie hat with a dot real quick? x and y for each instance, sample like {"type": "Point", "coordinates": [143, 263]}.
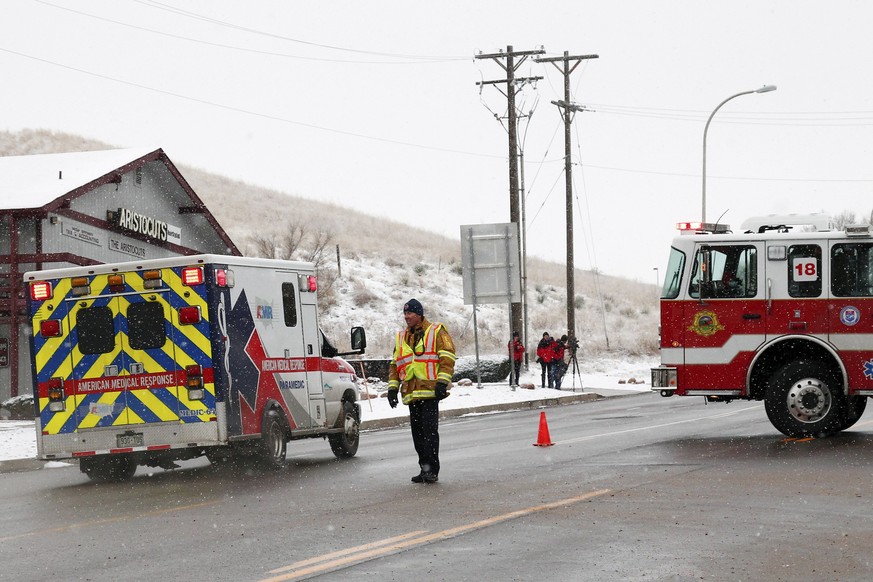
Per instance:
{"type": "Point", "coordinates": [413, 306]}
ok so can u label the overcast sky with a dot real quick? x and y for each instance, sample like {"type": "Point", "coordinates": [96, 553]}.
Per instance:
{"type": "Point", "coordinates": [374, 105]}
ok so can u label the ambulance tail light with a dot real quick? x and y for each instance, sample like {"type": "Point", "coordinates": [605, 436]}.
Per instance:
{"type": "Point", "coordinates": [56, 395]}
{"type": "Point", "coordinates": [194, 382]}
{"type": "Point", "coordinates": [224, 277]}
{"type": "Point", "coordinates": [192, 276]}
{"type": "Point", "coordinates": [80, 286]}
{"type": "Point", "coordinates": [308, 283]}
{"type": "Point", "coordinates": [41, 291]}
{"type": "Point", "coordinates": [152, 279]}
{"type": "Point", "coordinates": [116, 283]}
{"type": "Point", "coordinates": [189, 315]}
{"type": "Point", "coordinates": [50, 328]}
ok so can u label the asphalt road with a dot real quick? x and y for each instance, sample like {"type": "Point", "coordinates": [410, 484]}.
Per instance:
{"type": "Point", "coordinates": [634, 488]}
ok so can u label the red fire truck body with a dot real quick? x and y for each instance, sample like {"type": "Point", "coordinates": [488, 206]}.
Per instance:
{"type": "Point", "coordinates": [777, 313]}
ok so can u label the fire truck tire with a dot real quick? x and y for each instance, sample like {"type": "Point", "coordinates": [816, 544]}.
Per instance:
{"type": "Point", "coordinates": [345, 444]}
{"type": "Point", "coordinates": [105, 469]}
{"type": "Point", "coordinates": [804, 399]}
{"type": "Point", "coordinates": [853, 410]}
{"type": "Point", "coordinates": [273, 446]}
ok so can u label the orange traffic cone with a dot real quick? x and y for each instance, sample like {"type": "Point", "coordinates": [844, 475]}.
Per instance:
{"type": "Point", "coordinates": [543, 439]}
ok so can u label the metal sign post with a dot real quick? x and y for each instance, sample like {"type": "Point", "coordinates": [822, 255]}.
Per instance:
{"type": "Point", "coordinates": [489, 254]}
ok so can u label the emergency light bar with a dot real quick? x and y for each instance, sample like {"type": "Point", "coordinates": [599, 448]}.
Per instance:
{"type": "Point", "coordinates": [710, 227]}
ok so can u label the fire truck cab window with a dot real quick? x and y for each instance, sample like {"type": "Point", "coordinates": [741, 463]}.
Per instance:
{"type": "Point", "coordinates": [852, 270]}
{"type": "Point", "coordinates": [289, 304]}
{"type": "Point", "coordinates": [733, 272]}
{"type": "Point", "coordinates": [96, 330]}
{"type": "Point", "coordinates": [804, 271]}
{"type": "Point", "coordinates": [673, 280]}
{"type": "Point", "coordinates": [146, 328]}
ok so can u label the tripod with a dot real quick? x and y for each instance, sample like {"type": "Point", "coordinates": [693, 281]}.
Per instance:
{"type": "Point", "coordinates": [575, 371]}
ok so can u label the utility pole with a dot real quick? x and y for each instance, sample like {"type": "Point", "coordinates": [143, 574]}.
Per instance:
{"type": "Point", "coordinates": [512, 82]}
{"type": "Point", "coordinates": [567, 109]}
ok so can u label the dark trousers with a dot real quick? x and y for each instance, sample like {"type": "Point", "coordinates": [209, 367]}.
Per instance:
{"type": "Point", "coordinates": [516, 368]}
{"type": "Point", "coordinates": [546, 375]}
{"type": "Point", "coordinates": [424, 417]}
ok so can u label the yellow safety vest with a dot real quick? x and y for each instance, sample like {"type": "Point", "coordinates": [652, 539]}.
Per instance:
{"type": "Point", "coordinates": [423, 362]}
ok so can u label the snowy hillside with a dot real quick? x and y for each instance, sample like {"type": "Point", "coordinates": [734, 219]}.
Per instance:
{"type": "Point", "coordinates": [370, 265]}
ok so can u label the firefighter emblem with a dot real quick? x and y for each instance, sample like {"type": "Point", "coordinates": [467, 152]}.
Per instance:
{"type": "Point", "coordinates": [850, 315]}
{"type": "Point", "coordinates": [705, 323]}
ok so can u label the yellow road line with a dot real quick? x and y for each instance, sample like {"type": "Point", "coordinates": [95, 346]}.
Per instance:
{"type": "Point", "coordinates": [394, 547]}
{"type": "Point", "coordinates": [107, 520]}
{"type": "Point", "coordinates": [347, 551]}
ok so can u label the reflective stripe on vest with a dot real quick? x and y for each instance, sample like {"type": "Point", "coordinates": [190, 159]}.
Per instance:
{"type": "Point", "coordinates": [411, 365]}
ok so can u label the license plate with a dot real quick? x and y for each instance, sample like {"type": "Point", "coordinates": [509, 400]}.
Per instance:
{"type": "Point", "coordinates": [130, 440]}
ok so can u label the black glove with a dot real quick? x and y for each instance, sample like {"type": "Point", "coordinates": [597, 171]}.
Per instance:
{"type": "Point", "coordinates": [392, 398]}
{"type": "Point", "coordinates": [441, 390]}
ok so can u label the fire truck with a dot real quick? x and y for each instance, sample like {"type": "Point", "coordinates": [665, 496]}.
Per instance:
{"type": "Point", "coordinates": [781, 312]}
{"type": "Point", "coordinates": [150, 362]}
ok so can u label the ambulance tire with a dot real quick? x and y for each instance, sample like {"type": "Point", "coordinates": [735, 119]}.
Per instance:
{"type": "Point", "coordinates": [345, 444]}
{"type": "Point", "coordinates": [805, 399]}
{"type": "Point", "coordinates": [853, 410]}
{"type": "Point", "coordinates": [106, 469]}
{"type": "Point", "coordinates": [273, 445]}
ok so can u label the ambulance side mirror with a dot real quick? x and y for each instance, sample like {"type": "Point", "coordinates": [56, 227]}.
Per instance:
{"type": "Point", "coordinates": [359, 339]}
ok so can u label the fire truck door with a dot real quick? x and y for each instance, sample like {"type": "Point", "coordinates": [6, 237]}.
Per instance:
{"type": "Point", "coordinates": [726, 322]}
{"type": "Point", "coordinates": [796, 301]}
{"type": "Point", "coordinates": [850, 305]}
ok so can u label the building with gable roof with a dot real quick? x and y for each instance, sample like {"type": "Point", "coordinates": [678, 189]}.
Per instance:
{"type": "Point", "coordinates": [85, 208]}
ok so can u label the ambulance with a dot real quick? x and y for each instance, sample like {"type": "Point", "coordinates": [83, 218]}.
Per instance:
{"type": "Point", "coordinates": [779, 312]}
{"type": "Point", "coordinates": [151, 362]}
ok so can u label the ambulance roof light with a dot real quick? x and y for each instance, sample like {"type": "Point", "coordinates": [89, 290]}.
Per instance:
{"type": "Point", "coordinates": [41, 290]}
{"type": "Point", "coordinates": [192, 276]}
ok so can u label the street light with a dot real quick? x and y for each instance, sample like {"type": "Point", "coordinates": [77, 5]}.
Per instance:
{"type": "Point", "coordinates": [764, 89]}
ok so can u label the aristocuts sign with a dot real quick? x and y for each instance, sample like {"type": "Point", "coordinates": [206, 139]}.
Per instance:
{"type": "Point", "coordinates": [147, 226]}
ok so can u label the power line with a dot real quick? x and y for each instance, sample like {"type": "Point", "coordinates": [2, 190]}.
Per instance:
{"type": "Point", "coordinates": [249, 112]}
{"type": "Point", "coordinates": [418, 60]}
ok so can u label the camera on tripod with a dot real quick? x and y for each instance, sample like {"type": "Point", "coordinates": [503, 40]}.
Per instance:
{"type": "Point", "coordinates": [573, 344]}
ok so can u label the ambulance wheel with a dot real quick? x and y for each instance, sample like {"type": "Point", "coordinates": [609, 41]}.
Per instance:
{"type": "Point", "coordinates": [804, 399]}
{"type": "Point", "coordinates": [853, 410]}
{"type": "Point", "coordinates": [273, 445]}
{"type": "Point", "coordinates": [345, 444]}
{"type": "Point", "coordinates": [105, 469]}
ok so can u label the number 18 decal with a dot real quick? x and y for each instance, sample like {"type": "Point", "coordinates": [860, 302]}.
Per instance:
{"type": "Point", "coordinates": [805, 269]}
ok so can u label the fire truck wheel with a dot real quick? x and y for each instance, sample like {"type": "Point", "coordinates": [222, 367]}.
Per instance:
{"type": "Point", "coordinates": [105, 469]}
{"type": "Point", "coordinates": [273, 445]}
{"type": "Point", "coordinates": [804, 399]}
{"type": "Point", "coordinates": [345, 444]}
{"type": "Point", "coordinates": [853, 410]}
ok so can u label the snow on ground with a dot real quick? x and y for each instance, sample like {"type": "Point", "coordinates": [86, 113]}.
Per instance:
{"type": "Point", "coordinates": [18, 437]}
